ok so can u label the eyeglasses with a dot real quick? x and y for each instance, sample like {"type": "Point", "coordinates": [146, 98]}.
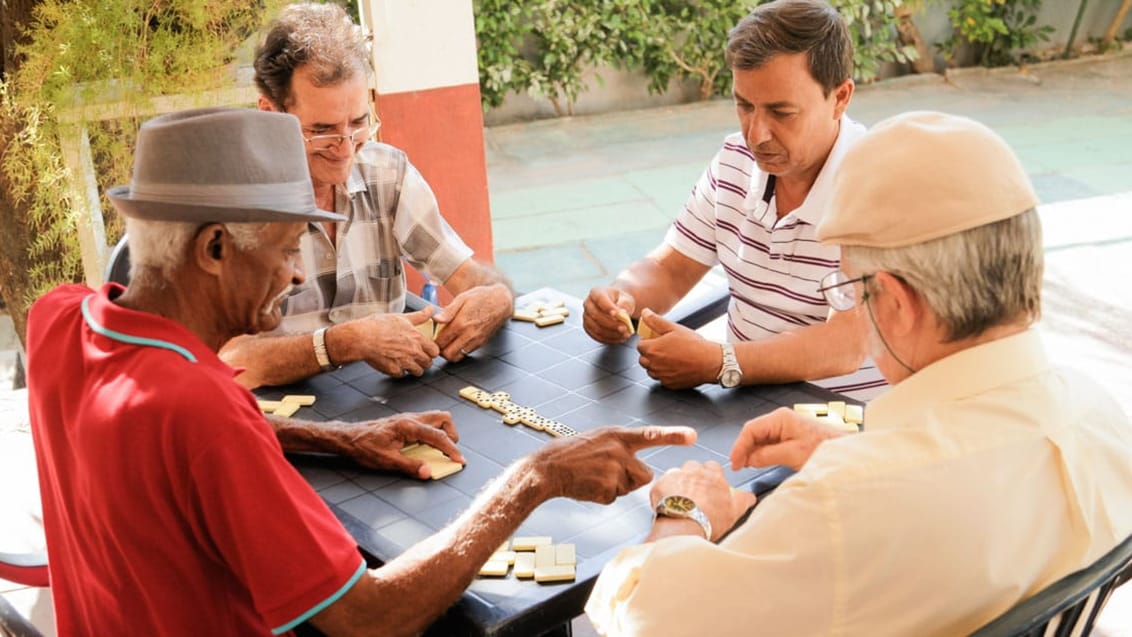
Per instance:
{"type": "Point", "coordinates": [839, 290]}
{"type": "Point", "coordinates": [357, 136]}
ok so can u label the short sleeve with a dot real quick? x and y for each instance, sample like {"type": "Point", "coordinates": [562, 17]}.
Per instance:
{"type": "Point", "coordinates": [693, 232]}
{"type": "Point", "coordinates": [426, 239]}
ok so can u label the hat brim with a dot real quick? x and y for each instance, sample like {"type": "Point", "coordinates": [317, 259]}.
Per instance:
{"type": "Point", "coordinates": [130, 206]}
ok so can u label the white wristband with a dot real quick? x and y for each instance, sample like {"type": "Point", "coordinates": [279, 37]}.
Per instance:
{"type": "Point", "coordinates": [320, 353]}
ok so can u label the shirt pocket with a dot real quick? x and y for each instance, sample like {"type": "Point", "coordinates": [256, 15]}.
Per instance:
{"type": "Point", "coordinates": [384, 282]}
{"type": "Point", "coordinates": [301, 300]}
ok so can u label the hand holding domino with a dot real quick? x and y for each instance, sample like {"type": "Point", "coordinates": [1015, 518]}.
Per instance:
{"type": "Point", "coordinates": [675, 355]}
{"type": "Point", "coordinates": [607, 315]}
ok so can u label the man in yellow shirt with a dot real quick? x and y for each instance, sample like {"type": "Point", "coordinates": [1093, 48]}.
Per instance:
{"type": "Point", "coordinates": [985, 474]}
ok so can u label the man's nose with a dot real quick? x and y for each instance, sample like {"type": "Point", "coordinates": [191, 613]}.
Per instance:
{"type": "Point", "coordinates": [297, 275]}
{"type": "Point", "coordinates": [755, 129]}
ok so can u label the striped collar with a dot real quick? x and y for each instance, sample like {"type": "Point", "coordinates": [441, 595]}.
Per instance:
{"type": "Point", "coordinates": [130, 338]}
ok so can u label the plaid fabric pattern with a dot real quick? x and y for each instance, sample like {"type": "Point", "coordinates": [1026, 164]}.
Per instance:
{"type": "Point", "coordinates": [390, 213]}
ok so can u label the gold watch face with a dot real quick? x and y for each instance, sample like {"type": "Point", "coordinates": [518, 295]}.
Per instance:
{"type": "Point", "coordinates": [677, 504]}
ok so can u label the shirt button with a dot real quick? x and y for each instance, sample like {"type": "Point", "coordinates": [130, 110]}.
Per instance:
{"type": "Point", "coordinates": [335, 315]}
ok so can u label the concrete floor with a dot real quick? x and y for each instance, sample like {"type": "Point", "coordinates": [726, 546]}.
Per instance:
{"type": "Point", "coordinates": [574, 200]}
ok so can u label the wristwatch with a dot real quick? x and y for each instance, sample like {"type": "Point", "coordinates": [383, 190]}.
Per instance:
{"type": "Point", "coordinates": [678, 506]}
{"type": "Point", "coordinates": [318, 339]}
{"type": "Point", "coordinates": [730, 375]}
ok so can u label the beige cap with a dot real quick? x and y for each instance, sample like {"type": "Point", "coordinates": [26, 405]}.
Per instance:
{"type": "Point", "coordinates": [923, 175]}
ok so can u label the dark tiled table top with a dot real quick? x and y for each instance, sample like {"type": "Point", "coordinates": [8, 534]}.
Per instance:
{"type": "Point", "coordinates": [564, 375]}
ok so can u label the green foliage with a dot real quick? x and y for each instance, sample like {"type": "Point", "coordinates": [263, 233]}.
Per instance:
{"type": "Point", "coordinates": [995, 29]}
{"type": "Point", "coordinates": [35, 190]}
{"type": "Point", "coordinates": [872, 25]}
{"type": "Point", "coordinates": [542, 47]}
{"type": "Point", "coordinates": [687, 40]}
{"type": "Point", "coordinates": [78, 53]}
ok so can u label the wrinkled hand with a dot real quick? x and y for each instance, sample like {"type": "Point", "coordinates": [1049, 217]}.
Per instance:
{"type": "Point", "coordinates": [472, 318]}
{"type": "Point", "coordinates": [782, 437]}
{"type": "Point", "coordinates": [600, 465]}
{"type": "Point", "coordinates": [600, 314]}
{"type": "Point", "coordinates": [706, 485]}
{"type": "Point", "coordinates": [377, 443]}
{"type": "Point", "coordinates": [391, 344]}
{"type": "Point", "coordinates": [679, 357]}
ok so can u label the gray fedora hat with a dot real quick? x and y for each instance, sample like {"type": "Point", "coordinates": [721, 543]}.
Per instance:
{"type": "Point", "coordinates": [220, 165]}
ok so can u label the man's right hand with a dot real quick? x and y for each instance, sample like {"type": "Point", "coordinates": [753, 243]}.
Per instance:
{"type": "Point", "coordinates": [390, 343]}
{"type": "Point", "coordinates": [601, 465]}
{"type": "Point", "coordinates": [602, 311]}
{"type": "Point", "coordinates": [782, 437]}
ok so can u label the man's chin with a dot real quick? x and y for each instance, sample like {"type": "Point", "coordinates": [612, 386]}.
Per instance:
{"type": "Point", "coordinates": [266, 321]}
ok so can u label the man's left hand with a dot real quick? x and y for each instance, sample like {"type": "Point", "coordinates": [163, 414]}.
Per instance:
{"type": "Point", "coordinates": [678, 357]}
{"type": "Point", "coordinates": [706, 485]}
{"type": "Point", "coordinates": [472, 318]}
{"type": "Point", "coordinates": [377, 444]}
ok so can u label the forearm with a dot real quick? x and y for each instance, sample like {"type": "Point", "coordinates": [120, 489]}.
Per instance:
{"type": "Point", "coordinates": [297, 435]}
{"type": "Point", "coordinates": [473, 274]}
{"type": "Point", "coordinates": [817, 351]}
{"type": "Point", "coordinates": [271, 359]}
{"type": "Point", "coordinates": [408, 593]}
{"type": "Point", "coordinates": [653, 286]}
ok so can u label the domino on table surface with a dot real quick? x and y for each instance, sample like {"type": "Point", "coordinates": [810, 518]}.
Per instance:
{"type": "Point", "coordinates": [287, 405]}
{"type": "Point", "coordinates": [535, 557]}
{"type": "Point", "coordinates": [441, 465]}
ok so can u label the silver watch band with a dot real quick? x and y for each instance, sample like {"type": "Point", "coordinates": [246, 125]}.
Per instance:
{"type": "Point", "coordinates": [320, 354]}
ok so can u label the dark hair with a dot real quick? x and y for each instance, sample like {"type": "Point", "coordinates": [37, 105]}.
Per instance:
{"type": "Point", "coordinates": [794, 26]}
{"type": "Point", "coordinates": [319, 35]}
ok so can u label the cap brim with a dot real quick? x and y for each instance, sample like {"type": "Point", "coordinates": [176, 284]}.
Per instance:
{"type": "Point", "coordinates": [129, 206]}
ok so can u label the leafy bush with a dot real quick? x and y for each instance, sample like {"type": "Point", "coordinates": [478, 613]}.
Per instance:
{"type": "Point", "coordinates": [542, 47]}
{"type": "Point", "coordinates": [687, 40]}
{"type": "Point", "coordinates": [872, 25]}
{"type": "Point", "coordinates": [995, 29]}
{"type": "Point", "coordinates": [76, 53]}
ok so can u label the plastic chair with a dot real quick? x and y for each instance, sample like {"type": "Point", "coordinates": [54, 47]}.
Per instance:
{"type": "Point", "coordinates": [29, 569]}
{"type": "Point", "coordinates": [1069, 606]}
{"type": "Point", "coordinates": [118, 266]}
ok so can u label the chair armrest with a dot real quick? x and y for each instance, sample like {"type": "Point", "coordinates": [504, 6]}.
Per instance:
{"type": "Point", "coordinates": [29, 569]}
{"type": "Point", "coordinates": [706, 301]}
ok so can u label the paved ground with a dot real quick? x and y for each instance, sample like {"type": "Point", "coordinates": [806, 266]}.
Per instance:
{"type": "Point", "coordinates": [575, 200]}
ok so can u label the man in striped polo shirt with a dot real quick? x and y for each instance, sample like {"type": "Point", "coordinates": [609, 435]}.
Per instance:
{"type": "Point", "coordinates": [754, 212]}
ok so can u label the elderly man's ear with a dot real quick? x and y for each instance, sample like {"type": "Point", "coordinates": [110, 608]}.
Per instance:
{"type": "Point", "coordinates": [897, 302]}
{"type": "Point", "coordinates": [211, 245]}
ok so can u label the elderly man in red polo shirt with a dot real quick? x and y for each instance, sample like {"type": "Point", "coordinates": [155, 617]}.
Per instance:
{"type": "Point", "coordinates": [161, 481]}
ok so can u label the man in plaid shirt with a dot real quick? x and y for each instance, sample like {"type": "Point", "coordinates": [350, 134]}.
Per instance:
{"type": "Point", "coordinates": [314, 64]}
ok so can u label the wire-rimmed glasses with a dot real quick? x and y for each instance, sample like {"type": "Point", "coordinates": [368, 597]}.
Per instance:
{"type": "Point", "coordinates": [839, 291]}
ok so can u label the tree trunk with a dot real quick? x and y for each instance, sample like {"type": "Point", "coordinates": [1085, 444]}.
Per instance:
{"type": "Point", "coordinates": [14, 16]}
{"type": "Point", "coordinates": [1117, 20]}
{"type": "Point", "coordinates": [910, 36]}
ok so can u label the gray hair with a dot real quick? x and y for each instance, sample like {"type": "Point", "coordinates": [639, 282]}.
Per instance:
{"type": "Point", "coordinates": [158, 248]}
{"type": "Point", "coordinates": [794, 26]}
{"type": "Point", "coordinates": [321, 36]}
{"type": "Point", "coordinates": [973, 280]}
